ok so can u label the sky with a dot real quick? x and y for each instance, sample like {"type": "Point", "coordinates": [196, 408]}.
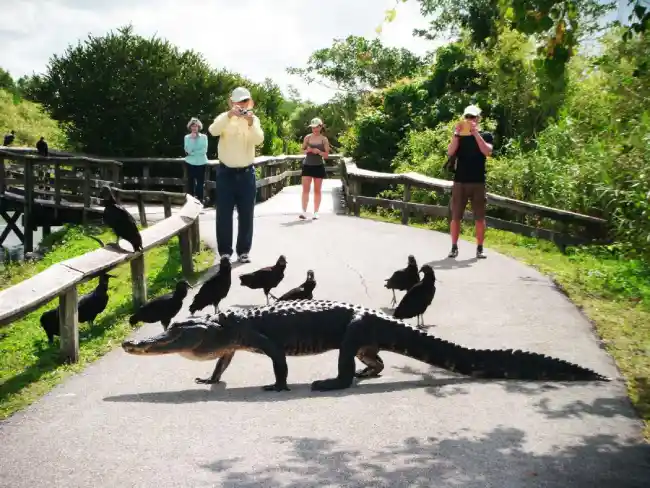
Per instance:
{"type": "Point", "coordinates": [255, 38]}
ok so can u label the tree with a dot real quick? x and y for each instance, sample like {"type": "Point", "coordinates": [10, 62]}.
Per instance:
{"type": "Point", "coordinates": [356, 64]}
{"type": "Point", "coordinates": [558, 25]}
{"type": "Point", "coordinates": [6, 81]}
{"type": "Point", "coordinates": [479, 17]}
{"type": "Point", "coordinates": [125, 95]}
{"type": "Point", "coordinates": [337, 114]}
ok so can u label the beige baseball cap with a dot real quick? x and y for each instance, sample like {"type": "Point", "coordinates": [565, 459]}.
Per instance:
{"type": "Point", "coordinates": [472, 110]}
{"type": "Point", "coordinates": [315, 122]}
{"type": "Point", "coordinates": [240, 93]}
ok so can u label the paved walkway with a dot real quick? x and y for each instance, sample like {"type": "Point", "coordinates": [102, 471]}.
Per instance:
{"type": "Point", "coordinates": [130, 421]}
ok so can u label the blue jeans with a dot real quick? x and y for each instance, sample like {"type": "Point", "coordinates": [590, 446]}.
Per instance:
{"type": "Point", "coordinates": [235, 188]}
{"type": "Point", "coordinates": [196, 179]}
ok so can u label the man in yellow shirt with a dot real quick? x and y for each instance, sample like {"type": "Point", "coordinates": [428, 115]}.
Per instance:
{"type": "Point", "coordinates": [239, 131]}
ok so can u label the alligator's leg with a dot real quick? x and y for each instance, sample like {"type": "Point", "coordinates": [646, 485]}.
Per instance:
{"type": "Point", "coordinates": [256, 341]}
{"type": "Point", "coordinates": [222, 364]}
{"type": "Point", "coordinates": [352, 342]}
{"type": "Point", "coordinates": [374, 365]}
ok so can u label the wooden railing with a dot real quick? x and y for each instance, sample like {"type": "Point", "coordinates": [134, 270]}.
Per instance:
{"type": "Point", "coordinates": [50, 189]}
{"type": "Point", "coordinates": [80, 178]}
{"type": "Point", "coordinates": [62, 279]}
{"type": "Point", "coordinates": [570, 228]}
{"type": "Point", "coordinates": [274, 172]}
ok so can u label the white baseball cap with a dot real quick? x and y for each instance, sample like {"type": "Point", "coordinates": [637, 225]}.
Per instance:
{"type": "Point", "coordinates": [315, 122]}
{"type": "Point", "coordinates": [472, 110]}
{"type": "Point", "coordinates": [240, 93]}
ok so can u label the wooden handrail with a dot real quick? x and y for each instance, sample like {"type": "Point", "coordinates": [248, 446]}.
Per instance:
{"type": "Point", "coordinates": [38, 159]}
{"type": "Point", "coordinates": [352, 176]}
{"type": "Point", "coordinates": [62, 279]}
{"type": "Point", "coordinates": [47, 189]}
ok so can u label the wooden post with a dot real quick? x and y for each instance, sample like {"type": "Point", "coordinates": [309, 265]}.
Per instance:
{"type": "Point", "coordinates": [266, 172]}
{"type": "Point", "coordinates": [354, 193]}
{"type": "Point", "coordinates": [138, 282]}
{"type": "Point", "coordinates": [145, 177]}
{"type": "Point", "coordinates": [167, 205]}
{"type": "Point", "coordinates": [407, 199]}
{"type": "Point", "coordinates": [141, 210]}
{"type": "Point", "coordinates": [86, 187]}
{"type": "Point", "coordinates": [184, 240]}
{"type": "Point", "coordinates": [69, 325]}
{"type": "Point", "coordinates": [116, 174]}
{"type": "Point", "coordinates": [29, 198]}
{"type": "Point", "coordinates": [57, 188]}
{"type": "Point", "coordinates": [196, 236]}
{"type": "Point", "coordinates": [2, 175]}
{"type": "Point", "coordinates": [186, 179]}
{"type": "Point", "coordinates": [206, 177]}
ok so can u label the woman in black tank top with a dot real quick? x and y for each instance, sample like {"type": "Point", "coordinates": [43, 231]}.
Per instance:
{"type": "Point", "coordinates": [316, 148]}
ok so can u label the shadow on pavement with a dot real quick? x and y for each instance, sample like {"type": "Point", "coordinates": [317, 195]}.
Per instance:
{"type": "Point", "coordinates": [291, 223]}
{"type": "Point", "coordinates": [451, 263]}
{"type": "Point", "coordinates": [219, 393]}
{"type": "Point", "coordinates": [500, 457]}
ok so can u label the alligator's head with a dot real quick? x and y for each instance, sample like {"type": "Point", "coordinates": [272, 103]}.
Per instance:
{"type": "Point", "coordinates": [192, 337]}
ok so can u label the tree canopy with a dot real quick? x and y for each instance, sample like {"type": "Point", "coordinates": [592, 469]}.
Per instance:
{"type": "Point", "coordinates": [125, 95]}
{"type": "Point", "coordinates": [355, 64]}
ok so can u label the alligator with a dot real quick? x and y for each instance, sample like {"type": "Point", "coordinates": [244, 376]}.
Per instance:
{"type": "Point", "coordinates": [309, 327]}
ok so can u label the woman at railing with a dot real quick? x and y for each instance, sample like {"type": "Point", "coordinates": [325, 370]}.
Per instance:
{"type": "Point", "coordinates": [196, 147]}
{"type": "Point", "coordinates": [316, 148]}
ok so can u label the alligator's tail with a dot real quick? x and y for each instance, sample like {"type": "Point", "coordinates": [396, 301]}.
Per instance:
{"type": "Point", "coordinates": [480, 363]}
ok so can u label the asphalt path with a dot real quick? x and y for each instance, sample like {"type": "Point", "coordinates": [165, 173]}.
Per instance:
{"type": "Point", "coordinates": [134, 421]}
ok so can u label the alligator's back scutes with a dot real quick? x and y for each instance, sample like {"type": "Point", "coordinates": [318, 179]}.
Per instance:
{"type": "Point", "coordinates": [308, 308]}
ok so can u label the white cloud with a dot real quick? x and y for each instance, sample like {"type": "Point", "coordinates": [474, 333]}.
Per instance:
{"type": "Point", "coordinates": [256, 38]}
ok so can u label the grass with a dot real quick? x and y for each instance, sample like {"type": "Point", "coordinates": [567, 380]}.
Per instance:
{"type": "Point", "coordinates": [611, 290]}
{"type": "Point", "coordinates": [29, 366]}
{"type": "Point", "coordinates": [30, 122]}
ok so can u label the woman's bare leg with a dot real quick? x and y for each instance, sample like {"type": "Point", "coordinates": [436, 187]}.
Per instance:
{"type": "Point", "coordinates": [318, 183]}
{"type": "Point", "coordinates": [306, 183]}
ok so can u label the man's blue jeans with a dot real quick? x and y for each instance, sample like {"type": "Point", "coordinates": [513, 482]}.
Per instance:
{"type": "Point", "coordinates": [235, 187]}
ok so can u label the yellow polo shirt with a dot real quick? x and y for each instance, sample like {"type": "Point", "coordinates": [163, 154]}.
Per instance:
{"type": "Point", "coordinates": [237, 139]}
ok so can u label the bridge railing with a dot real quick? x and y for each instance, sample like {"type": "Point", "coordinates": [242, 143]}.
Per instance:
{"type": "Point", "coordinates": [65, 187]}
{"type": "Point", "coordinates": [62, 279]}
{"type": "Point", "coordinates": [80, 181]}
{"type": "Point", "coordinates": [562, 227]}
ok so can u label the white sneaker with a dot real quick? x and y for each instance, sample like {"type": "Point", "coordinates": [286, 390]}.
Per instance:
{"type": "Point", "coordinates": [315, 217]}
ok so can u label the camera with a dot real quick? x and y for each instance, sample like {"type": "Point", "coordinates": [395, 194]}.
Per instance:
{"type": "Point", "coordinates": [466, 128]}
{"type": "Point", "coordinates": [243, 111]}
